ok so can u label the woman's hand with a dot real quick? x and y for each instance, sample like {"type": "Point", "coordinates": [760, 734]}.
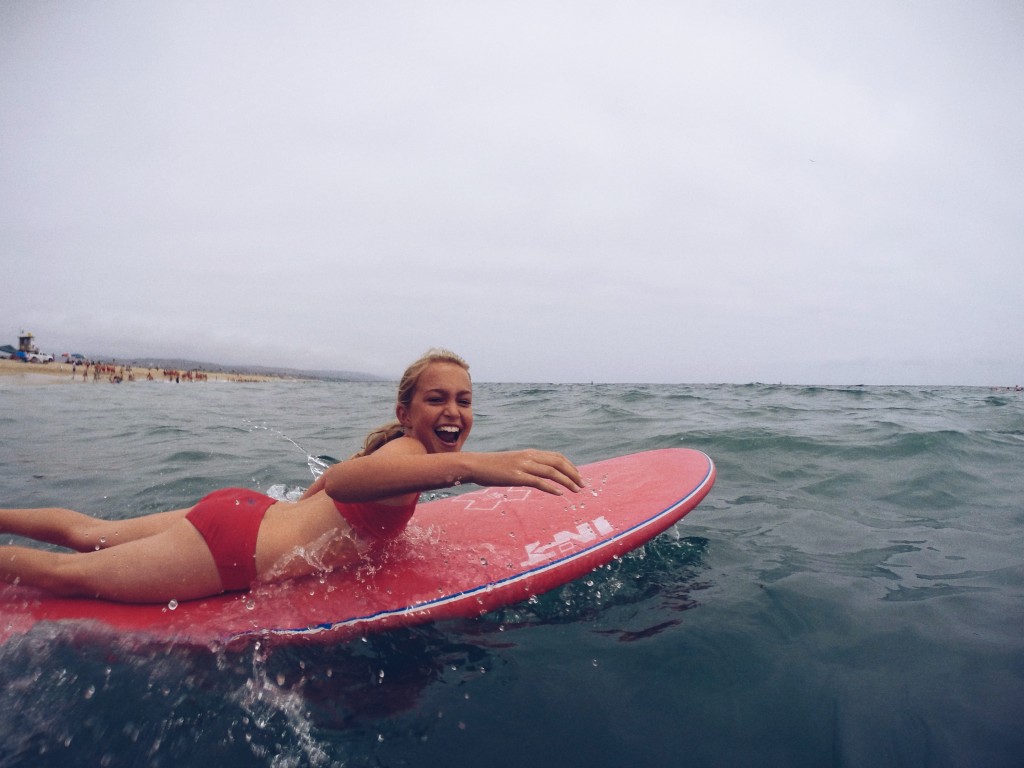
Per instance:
{"type": "Point", "coordinates": [548, 471]}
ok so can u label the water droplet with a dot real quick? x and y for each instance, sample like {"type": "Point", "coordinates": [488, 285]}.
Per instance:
{"type": "Point", "coordinates": [483, 561]}
{"type": "Point", "coordinates": [593, 662]}
{"type": "Point", "coordinates": [173, 605]}
{"type": "Point", "coordinates": [250, 605]}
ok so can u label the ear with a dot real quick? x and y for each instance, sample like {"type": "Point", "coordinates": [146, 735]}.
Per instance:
{"type": "Point", "coordinates": [402, 414]}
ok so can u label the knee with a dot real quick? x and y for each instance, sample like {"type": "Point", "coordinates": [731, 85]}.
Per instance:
{"type": "Point", "coordinates": [66, 577]}
{"type": "Point", "coordinates": [92, 536]}
{"type": "Point", "coordinates": [39, 569]}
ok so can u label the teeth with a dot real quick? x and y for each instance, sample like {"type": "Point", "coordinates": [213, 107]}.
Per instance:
{"type": "Point", "coordinates": [449, 433]}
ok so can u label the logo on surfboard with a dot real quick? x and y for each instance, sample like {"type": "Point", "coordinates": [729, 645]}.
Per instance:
{"type": "Point", "coordinates": [490, 501]}
{"type": "Point", "coordinates": [565, 542]}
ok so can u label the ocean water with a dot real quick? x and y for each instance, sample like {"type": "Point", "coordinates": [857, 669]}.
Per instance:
{"type": "Point", "coordinates": [851, 592]}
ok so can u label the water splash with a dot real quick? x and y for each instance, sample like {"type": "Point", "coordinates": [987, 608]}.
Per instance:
{"type": "Point", "coordinates": [269, 705]}
{"type": "Point", "coordinates": [317, 464]}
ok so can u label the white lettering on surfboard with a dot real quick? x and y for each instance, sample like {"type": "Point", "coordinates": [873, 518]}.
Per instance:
{"type": "Point", "coordinates": [564, 542]}
{"type": "Point", "coordinates": [492, 500]}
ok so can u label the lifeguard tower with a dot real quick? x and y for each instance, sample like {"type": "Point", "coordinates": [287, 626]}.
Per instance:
{"type": "Point", "coordinates": [25, 343]}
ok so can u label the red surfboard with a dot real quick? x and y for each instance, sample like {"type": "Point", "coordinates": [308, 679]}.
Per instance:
{"type": "Point", "coordinates": [460, 557]}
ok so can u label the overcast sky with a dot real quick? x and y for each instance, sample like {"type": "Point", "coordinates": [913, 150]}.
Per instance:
{"type": "Point", "coordinates": [798, 192]}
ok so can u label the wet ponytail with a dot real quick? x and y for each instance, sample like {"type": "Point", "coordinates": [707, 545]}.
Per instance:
{"type": "Point", "coordinates": [379, 437]}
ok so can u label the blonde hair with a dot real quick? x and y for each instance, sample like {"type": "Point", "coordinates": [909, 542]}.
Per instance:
{"type": "Point", "coordinates": [406, 389]}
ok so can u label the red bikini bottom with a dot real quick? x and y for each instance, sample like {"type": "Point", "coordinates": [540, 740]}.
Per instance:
{"type": "Point", "coordinates": [229, 522]}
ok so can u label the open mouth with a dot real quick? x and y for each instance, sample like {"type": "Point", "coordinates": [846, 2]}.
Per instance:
{"type": "Point", "coordinates": [448, 434]}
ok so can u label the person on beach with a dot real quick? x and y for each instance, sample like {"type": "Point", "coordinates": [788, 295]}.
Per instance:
{"type": "Point", "coordinates": [233, 538]}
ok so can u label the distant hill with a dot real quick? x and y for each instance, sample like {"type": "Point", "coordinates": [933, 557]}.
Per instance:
{"type": "Point", "coordinates": [254, 370]}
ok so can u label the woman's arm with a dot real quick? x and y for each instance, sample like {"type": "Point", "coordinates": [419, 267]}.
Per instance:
{"type": "Point", "coordinates": [403, 466]}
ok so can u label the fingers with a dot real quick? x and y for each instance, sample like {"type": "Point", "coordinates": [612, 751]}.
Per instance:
{"type": "Point", "coordinates": [547, 471]}
{"type": "Point", "coordinates": [554, 472]}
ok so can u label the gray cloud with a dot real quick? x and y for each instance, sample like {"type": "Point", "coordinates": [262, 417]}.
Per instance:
{"type": "Point", "coordinates": [568, 192]}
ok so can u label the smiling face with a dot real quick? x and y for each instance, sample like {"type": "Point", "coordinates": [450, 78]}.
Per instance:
{"type": "Point", "coordinates": [440, 413]}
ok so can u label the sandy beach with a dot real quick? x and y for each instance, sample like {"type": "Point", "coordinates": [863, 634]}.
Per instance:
{"type": "Point", "coordinates": [62, 373]}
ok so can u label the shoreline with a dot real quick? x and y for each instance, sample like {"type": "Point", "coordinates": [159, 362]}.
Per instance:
{"type": "Point", "coordinates": [63, 373]}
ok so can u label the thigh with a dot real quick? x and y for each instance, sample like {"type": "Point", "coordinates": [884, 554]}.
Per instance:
{"type": "Point", "coordinates": [111, 533]}
{"type": "Point", "coordinates": [174, 564]}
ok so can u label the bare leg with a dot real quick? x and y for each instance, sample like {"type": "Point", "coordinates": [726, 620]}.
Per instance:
{"type": "Point", "coordinates": [81, 532]}
{"type": "Point", "coordinates": [172, 565]}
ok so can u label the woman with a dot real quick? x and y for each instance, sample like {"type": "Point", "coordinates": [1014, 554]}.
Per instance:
{"type": "Point", "coordinates": [234, 537]}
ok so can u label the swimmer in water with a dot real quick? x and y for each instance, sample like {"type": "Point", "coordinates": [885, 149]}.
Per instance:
{"type": "Point", "coordinates": [234, 538]}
